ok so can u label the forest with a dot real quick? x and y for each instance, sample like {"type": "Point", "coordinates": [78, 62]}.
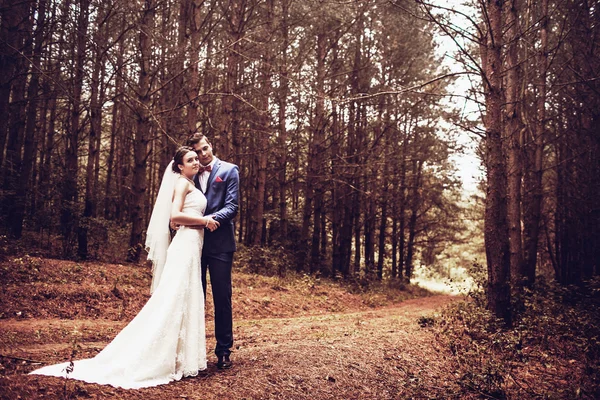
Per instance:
{"type": "Point", "coordinates": [345, 118]}
{"type": "Point", "coordinates": [333, 115]}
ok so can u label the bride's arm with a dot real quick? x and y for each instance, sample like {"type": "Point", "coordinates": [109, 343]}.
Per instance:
{"type": "Point", "coordinates": [182, 188]}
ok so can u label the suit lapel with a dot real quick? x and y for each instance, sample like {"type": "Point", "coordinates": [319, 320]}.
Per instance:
{"type": "Point", "coordinates": [212, 175]}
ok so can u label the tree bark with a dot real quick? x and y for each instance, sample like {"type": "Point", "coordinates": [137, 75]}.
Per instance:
{"type": "Point", "coordinates": [14, 13]}
{"type": "Point", "coordinates": [415, 205]}
{"type": "Point", "coordinates": [142, 132]}
{"type": "Point", "coordinates": [402, 213]}
{"type": "Point", "coordinates": [533, 177]}
{"type": "Point", "coordinates": [115, 129]}
{"type": "Point", "coordinates": [13, 172]}
{"type": "Point", "coordinates": [236, 14]}
{"type": "Point", "coordinates": [69, 217]}
{"type": "Point", "coordinates": [282, 98]}
{"type": "Point", "coordinates": [264, 129]}
{"type": "Point", "coordinates": [95, 135]}
{"type": "Point", "coordinates": [512, 138]}
{"type": "Point", "coordinates": [496, 227]}
{"type": "Point", "coordinates": [316, 164]}
{"type": "Point", "coordinates": [23, 183]}
{"type": "Point", "coordinates": [384, 200]}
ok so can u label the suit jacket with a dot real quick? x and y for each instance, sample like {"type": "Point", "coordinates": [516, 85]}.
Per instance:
{"type": "Point", "coordinates": [222, 202]}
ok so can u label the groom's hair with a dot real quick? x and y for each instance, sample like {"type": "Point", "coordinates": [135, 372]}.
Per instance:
{"type": "Point", "coordinates": [195, 139]}
{"type": "Point", "coordinates": [178, 157]}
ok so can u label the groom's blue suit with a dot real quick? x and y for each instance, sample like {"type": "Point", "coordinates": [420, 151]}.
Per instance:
{"type": "Point", "coordinates": [222, 196]}
{"type": "Point", "coordinates": [222, 202]}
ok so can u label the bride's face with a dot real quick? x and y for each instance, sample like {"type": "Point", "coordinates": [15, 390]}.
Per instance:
{"type": "Point", "coordinates": [190, 165]}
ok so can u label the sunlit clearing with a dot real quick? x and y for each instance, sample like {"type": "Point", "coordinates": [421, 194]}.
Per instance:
{"type": "Point", "coordinates": [457, 281]}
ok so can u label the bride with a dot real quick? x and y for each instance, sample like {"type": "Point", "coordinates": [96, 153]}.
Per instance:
{"type": "Point", "coordinates": [166, 340]}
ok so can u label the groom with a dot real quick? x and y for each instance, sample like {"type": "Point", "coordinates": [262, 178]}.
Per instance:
{"type": "Point", "coordinates": [219, 181]}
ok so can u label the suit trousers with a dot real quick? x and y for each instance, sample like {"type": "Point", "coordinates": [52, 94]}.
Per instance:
{"type": "Point", "coordinates": [219, 269]}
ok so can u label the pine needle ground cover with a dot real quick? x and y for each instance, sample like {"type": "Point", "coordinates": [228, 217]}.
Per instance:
{"type": "Point", "coordinates": [297, 337]}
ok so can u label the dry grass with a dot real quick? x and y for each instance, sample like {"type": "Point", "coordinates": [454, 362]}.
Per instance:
{"type": "Point", "coordinates": [296, 337]}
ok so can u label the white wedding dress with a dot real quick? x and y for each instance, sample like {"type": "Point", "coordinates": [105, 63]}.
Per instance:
{"type": "Point", "coordinates": [166, 340]}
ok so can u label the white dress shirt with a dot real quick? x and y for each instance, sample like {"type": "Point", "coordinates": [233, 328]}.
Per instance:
{"type": "Point", "coordinates": [203, 177]}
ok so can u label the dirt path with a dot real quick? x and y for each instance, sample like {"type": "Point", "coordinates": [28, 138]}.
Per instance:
{"type": "Point", "coordinates": [381, 353]}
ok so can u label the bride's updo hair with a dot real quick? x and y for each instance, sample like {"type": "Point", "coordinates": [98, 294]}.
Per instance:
{"type": "Point", "coordinates": [178, 157]}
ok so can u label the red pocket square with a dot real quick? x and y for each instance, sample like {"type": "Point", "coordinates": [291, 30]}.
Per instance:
{"type": "Point", "coordinates": [218, 179]}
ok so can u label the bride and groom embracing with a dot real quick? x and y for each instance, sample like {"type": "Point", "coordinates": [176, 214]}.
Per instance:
{"type": "Point", "coordinates": [166, 340]}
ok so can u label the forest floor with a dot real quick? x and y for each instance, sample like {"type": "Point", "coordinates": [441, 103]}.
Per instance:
{"type": "Point", "coordinates": [295, 338]}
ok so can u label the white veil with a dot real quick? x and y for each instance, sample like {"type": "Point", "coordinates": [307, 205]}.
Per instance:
{"type": "Point", "coordinates": [158, 235]}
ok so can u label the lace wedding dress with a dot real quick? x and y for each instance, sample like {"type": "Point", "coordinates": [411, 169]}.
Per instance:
{"type": "Point", "coordinates": [166, 340]}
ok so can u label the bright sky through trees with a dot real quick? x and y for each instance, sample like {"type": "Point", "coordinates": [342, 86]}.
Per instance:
{"type": "Point", "coordinates": [469, 168]}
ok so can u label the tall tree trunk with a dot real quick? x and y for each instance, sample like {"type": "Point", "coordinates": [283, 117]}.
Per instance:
{"type": "Point", "coordinates": [415, 205]}
{"type": "Point", "coordinates": [89, 211]}
{"type": "Point", "coordinates": [39, 196]}
{"type": "Point", "coordinates": [12, 173]}
{"type": "Point", "coordinates": [384, 209]}
{"type": "Point", "coordinates": [193, 86]}
{"type": "Point", "coordinates": [142, 132]}
{"type": "Point", "coordinates": [495, 221]}
{"type": "Point", "coordinates": [376, 196]}
{"type": "Point", "coordinates": [356, 143]}
{"type": "Point", "coordinates": [282, 98]}
{"type": "Point", "coordinates": [209, 116]}
{"type": "Point", "coordinates": [23, 182]}
{"type": "Point", "coordinates": [402, 213]}
{"type": "Point", "coordinates": [115, 129]}
{"type": "Point", "coordinates": [124, 161]}
{"type": "Point", "coordinates": [69, 190]}
{"type": "Point", "coordinates": [370, 214]}
{"type": "Point", "coordinates": [512, 138]}
{"type": "Point", "coordinates": [13, 14]}
{"type": "Point", "coordinates": [306, 216]}
{"type": "Point", "coordinates": [395, 212]}
{"type": "Point", "coordinates": [49, 141]}
{"type": "Point", "coordinates": [533, 177]}
{"type": "Point", "coordinates": [264, 129]}
{"type": "Point", "coordinates": [337, 212]}
{"type": "Point", "coordinates": [358, 182]}
{"type": "Point", "coordinates": [227, 139]}
{"type": "Point", "coordinates": [316, 165]}
{"type": "Point", "coordinates": [394, 269]}
{"type": "Point", "coordinates": [341, 234]}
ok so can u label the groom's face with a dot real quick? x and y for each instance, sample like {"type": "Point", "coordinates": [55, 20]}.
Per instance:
{"type": "Point", "coordinates": [204, 151]}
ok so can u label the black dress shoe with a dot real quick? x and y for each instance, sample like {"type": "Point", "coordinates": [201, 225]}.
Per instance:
{"type": "Point", "coordinates": [224, 362]}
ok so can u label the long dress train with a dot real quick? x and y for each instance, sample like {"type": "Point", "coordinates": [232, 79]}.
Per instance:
{"type": "Point", "coordinates": [166, 340]}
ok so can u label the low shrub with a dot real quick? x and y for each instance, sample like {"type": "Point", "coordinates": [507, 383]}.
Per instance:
{"type": "Point", "coordinates": [552, 350]}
